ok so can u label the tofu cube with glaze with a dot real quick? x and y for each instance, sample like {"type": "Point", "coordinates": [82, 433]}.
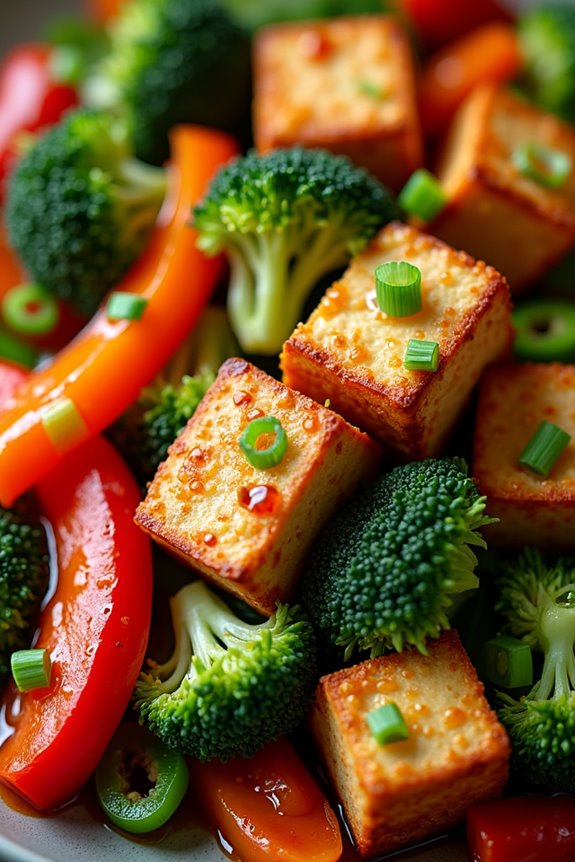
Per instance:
{"type": "Point", "coordinates": [456, 753]}
{"type": "Point", "coordinates": [494, 211]}
{"type": "Point", "coordinates": [352, 353]}
{"type": "Point", "coordinates": [346, 85]}
{"type": "Point", "coordinates": [247, 529]}
{"type": "Point", "coordinates": [514, 399]}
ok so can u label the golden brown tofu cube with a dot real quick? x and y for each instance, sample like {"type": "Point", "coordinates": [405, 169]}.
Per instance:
{"type": "Point", "coordinates": [247, 529]}
{"type": "Point", "coordinates": [456, 754]}
{"type": "Point", "coordinates": [346, 85]}
{"type": "Point", "coordinates": [514, 399]}
{"type": "Point", "coordinates": [495, 212]}
{"type": "Point", "coordinates": [352, 353]}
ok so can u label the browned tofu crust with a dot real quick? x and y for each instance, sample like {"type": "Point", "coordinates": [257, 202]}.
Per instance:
{"type": "Point", "coordinates": [514, 399]}
{"type": "Point", "coordinates": [248, 529]}
{"type": "Point", "coordinates": [456, 754]}
{"type": "Point", "coordinates": [352, 353]}
{"type": "Point", "coordinates": [347, 85]}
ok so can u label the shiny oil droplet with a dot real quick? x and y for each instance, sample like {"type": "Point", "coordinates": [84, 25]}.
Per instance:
{"type": "Point", "coordinates": [260, 499]}
{"type": "Point", "coordinates": [209, 539]}
{"type": "Point", "coordinates": [241, 398]}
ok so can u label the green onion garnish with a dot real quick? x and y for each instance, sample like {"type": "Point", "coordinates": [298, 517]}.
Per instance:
{"type": "Point", "coordinates": [31, 668]}
{"type": "Point", "coordinates": [422, 195]}
{"type": "Point", "coordinates": [64, 425]}
{"type": "Point", "coordinates": [421, 355]}
{"type": "Point", "coordinates": [509, 662]}
{"type": "Point", "coordinates": [546, 166]}
{"type": "Point", "coordinates": [371, 89]}
{"type": "Point", "coordinates": [15, 350]}
{"type": "Point", "coordinates": [398, 288]}
{"type": "Point", "coordinates": [387, 724]}
{"type": "Point", "coordinates": [544, 448]}
{"type": "Point", "coordinates": [125, 306]}
{"type": "Point", "coordinates": [268, 456]}
{"type": "Point", "coordinates": [30, 309]}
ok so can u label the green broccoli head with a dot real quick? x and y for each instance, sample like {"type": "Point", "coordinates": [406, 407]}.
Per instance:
{"type": "Point", "coordinates": [537, 599]}
{"type": "Point", "coordinates": [230, 686]}
{"type": "Point", "coordinates": [547, 37]}
{"type": "Point", "coordinates": [24, 575]}
{"type": "Point", "coordinates": [383, 573]}
{"type": "Point", "coordinates": [172, 61]}
{"type": "Point", "coordinates": [285, 220]}
{"type": "Point", "coordinates": [80, 208]}
{"type": "Point", "coordinates": [256, 14]}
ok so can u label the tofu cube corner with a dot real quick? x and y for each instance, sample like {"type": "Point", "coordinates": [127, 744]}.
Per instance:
{"type": "Point", "coordinates": [456, 754]}
{"type": "Point", "coordinates": [352, 353]}
{"type": "Point", "coordinates": [243, 528]}
{"type": "Point", "coordinates": [346, 85]}
{"type": "Point", "coordinates": [513, 401]}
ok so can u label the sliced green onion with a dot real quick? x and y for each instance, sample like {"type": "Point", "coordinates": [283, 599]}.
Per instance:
{"type": "Point", "coordinates": [421, 355]}
{"type": "Point", "coordinates": [398, 288]}
{"type": "Point", "coordinates": [546, 166]}
{"type": "Point", "coordinates": [544, 330]}
{"type": "Point", "coordinates": [371, 89]}
{"type": "Point", "coordinates": [30, 309]}
{"type": "Point", "coordinates": [31, 668]}
{"type": "Point", "coordinates": [271, 455]}
{"type": "Point", "coordinates": [387, 724]}
{"type": "Point", "coordinates": [509, 662]}
{"type": "Point", "coordinates": [422, 195]}
{"type": "Point", "coordinates": [544, 448]}
{"type": "Point", "coordinates": [125, 306]}
{"type": "Point", "coordinates": [64, 425]}
{"type": "Point", "coordinates": [15, 350]}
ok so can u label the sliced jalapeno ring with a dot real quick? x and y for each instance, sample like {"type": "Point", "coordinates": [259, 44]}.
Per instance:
{"type": "Point", "coordinates": [140, 782]}
{"type": "Point", "coordinates": [545, 331]}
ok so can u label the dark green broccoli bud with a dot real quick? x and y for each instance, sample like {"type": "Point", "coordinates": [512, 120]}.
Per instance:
{"type": "Point", "coordinates": [254, 13]}
{"type": "Point", "coordinates": [547, 38]}
{"type": "Point", "coordinates": [172, 61]}
{"type": "Point", "coordinates": [537, 600]}
{"type": "Point", "coordinates": [230, 686]}
{"type": "Point", "coordinates": [80, 208]}
{"type": "Point", "coordinates": [384, 572]}
{"type": "Point", "coordinates": [286, 219]}
{"type": "Point", "coordinates": [24, 572]}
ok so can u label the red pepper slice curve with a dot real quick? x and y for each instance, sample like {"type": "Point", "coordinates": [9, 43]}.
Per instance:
{"type": "Point", "coordinates": [95, 627]}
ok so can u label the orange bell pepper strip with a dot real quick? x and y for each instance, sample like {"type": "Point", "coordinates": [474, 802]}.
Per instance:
{"type": "Point", "coordinates": [103, 370]}
{"type": "Point", "coordinates": [490, 54]}
{"type": "Point", "coordinates": [95, 628]}
{"type": "Point", "coordinates": [268, 807]}
{"type": "Point", "coordinates": [11, 376]}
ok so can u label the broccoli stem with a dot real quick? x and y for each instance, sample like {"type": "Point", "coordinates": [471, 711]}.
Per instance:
{"type": "Point", "coordinates": [557, 638]}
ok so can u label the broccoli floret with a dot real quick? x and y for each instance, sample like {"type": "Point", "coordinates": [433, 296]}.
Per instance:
{"type": "Point", "coordinates": [547, 37]}
{"type": "Point", "coordinates": [537, 599]}
{"type": "Point", "coordinates": [285, 219]}
{"type": "Point", "coordinates": [172, 61]}
{"type": "Point", "coordinates": [24, 572]}
{"type": "Point", "coordinates": [383, 573]}
{"type": "Point", "coordinates": [80, 208]}
{"type": "Point", "coordinates": [254, 13]}
{"type": "Point", "coordinates": [230, 686]}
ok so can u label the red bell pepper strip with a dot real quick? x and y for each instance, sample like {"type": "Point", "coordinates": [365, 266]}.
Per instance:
{"type": "Point", "coordinates": [30, 98]}
{"type": "Point", "coordinates": [522, 829]}
{"type": "Point", "coordinates": [95, 627]}
{"type": "Point", "coordinates": [438, 22]}
{"type": "Point", "coordinates": [103, 370]}
{"type": "Point", "coordinates": [268, 807]}
{"type": "Point", "coordinates": [11, 376]}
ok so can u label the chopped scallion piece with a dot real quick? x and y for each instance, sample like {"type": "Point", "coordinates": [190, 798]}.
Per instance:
{"type": "Point", "coordinates": [125, 306]}
{"type": "Point", "coordinates": [546, 166]}
{"type": "Point", "coordinates": [422, 195]}
{"type": "Point", "coordinates": [371, 89]}
{"type": "Point", "coordinates": [258, 430]}
{"type": "Point", "coordinates": [544, 448]}
{"type": "Point", "coordinates": [398, 288]}
{"type": "Point", "coordinates": [30, 309]}
{"type": "Point", "coordinates": [387, 724]}
{"type": "Point", "coordinates": [15, 350]}
{"type": "Point", "coordinates": [421, 355]}
{"type": "Point", "coordinates": [64, 425]}
{"type": "Point", "coordinates": [31, 668]}
{"type": "Point", "coordinates": [509, 662]}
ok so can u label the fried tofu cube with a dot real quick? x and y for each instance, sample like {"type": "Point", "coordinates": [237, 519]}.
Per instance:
{"type": "Point", "coordinates": [352, 353]}
{"type": "Point", "coordinates": [456, 753]}
{"type": "Point", "coordinates": [514, 399]}
{"type": "Point", "coordinates": [347, 85]}
{"type": "Point", "coordinates": [243, 528]}
{"type": "Point", "coordinates": [495, 211]}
